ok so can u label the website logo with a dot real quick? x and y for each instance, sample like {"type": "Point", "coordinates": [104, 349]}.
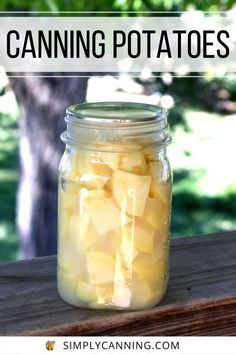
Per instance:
{"type": "Point", "coordinates": [50, 345]}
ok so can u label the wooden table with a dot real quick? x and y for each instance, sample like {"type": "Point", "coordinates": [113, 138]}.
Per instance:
{"type": "Point", "coordinates": [201, 298]}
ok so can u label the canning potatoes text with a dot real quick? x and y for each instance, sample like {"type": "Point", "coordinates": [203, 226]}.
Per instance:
{"type": "Point", "coordinates": [137, 44]}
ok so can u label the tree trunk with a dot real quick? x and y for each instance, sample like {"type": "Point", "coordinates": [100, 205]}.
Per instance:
{"type": "Point", "coordinates": [42, 103]}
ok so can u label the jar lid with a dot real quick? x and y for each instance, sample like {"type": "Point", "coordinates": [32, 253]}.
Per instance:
{"type": "Point", "coordinates": [114, 112]}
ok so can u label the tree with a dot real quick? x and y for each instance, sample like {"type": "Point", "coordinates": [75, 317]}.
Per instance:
{"type": "Point", "coordinates": [42, 103]}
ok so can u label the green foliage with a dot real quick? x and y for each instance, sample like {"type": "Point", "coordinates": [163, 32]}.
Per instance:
{"type": "Point", "coordinates": [195, 213]}
{"type": "Point", "coordinates": [115, 5]}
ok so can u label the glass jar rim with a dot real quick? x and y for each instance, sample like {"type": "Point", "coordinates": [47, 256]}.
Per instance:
{"type": "Point", "coordinates": [113, 122]}
{"type": "Point", "coordinates": [114, 113]}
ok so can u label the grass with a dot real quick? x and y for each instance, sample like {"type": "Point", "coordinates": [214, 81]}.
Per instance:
{"type": "Point", "coordinates": [202, 154]}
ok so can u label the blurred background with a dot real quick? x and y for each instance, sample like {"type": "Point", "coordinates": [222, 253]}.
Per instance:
{"type": "Point", "coordinates": [202, 118]}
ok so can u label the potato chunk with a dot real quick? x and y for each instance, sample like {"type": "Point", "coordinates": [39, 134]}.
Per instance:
{"type": "Point", "coordinates": [105, 215]}
{"type": "Point", "coordinates": [86, 292]}
{"type": "Point", "coordinates": [150, 268]}
{"type": "Point", "coordinates": [101, 267]}
{"type": "Point", "coordinates": [68, 201]}
{"type": "Point", "coordinates": [159, 187]}
{"type": "Point", "coordinates": [144, 296]}
{"type": "Point", "coordinates": [154, 212]}
{"type": "Point", "coordinates": [154, 169]}
{"type": "Point", "coordinates": [134, 163]}
{"type": "Point", "coordinates": [161, 190]}
{"type": "Point", "coordinates": [136, 237]}
{"type": "Point", "coordinates": [131, 191]}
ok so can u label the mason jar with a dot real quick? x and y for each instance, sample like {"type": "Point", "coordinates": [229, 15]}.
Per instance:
{"type": "Point", "coordinates": [114, 206]}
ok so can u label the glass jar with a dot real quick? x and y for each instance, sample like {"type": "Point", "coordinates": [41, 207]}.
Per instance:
{"type": "Point", "coordinates": [114, 206]}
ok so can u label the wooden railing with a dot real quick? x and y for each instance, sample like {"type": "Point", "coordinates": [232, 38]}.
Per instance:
{"type": "Point", "coordinates": [201, 298]}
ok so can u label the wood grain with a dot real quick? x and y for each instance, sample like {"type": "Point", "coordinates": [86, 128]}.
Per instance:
{"type": "Point", "coordinates": [201, 298]}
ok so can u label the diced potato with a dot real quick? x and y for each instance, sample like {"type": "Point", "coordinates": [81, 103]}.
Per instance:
{"type": "Point", "coordinates": [85, 164]}
{"type": "Point", "coordinates": [91, 237]}
{"type": "Point", "coordinates": [122, 293]}
{"type": "Point", "coordinates": [149, 267]}
{"type": "Point", "coordinates": [161, 190]}
{"type": "Point", "coordinates": [92, 240]}
{"type": "Point", "coordinates": [108, 243]}
{"type": "Point", "coordinates": [70, 247]}
{"type": "Point", "coordinates": [144, 239]}
{"type": "Point", "coordinates": [86, 292]}
{"type": "Point", "coordinates": [101, 169]}
{"type": "Point", "coordinates": [161, 270]}
{"type": "Point", "coordinates": [105, 215]}
{"type": "Point", "coordinates": [64, 261]}
{"type": "Point", "coordinates": [116, 294]}
{"type": "Point", "coordinates": [108, 187]}
{"type": "Point", "coordinates": [109, 156]}
{"type": "Point", "coordinates": [80, 231]}
{"type": "Point", "coordinates": [127, 252]}
{"type": "Point", "coordinates": [64, 275]}
{"type": "Point", "coordinates": [167, 210]}
{"type": "Point", "coordinates": [93, 163]}
{"type": "Point", "coordinates": [67, 201]}
{"type": "Point", "coordinates": [100, 267]}
{"type": "Point", "coordinates": [71, 258]}
{"type": "Point", "coordinates": [105, 293]}
{"type": "Point", "coordinates": [144, 295]}
{"type": "Point", "coordinates": [131, 191]}
{"type": "Point", "coordinates": [87, 235]}
{"type": "Point", "coordinates": [133, 162]}
{"type": "Point", "coordinates": [137, 237]}
{"type": "Point", "coordinates": [128, 255]}
{"type": "Point", "coordinates": [63, 218]}
{"type": "Point", "coordinates": [104, 297]}
{"type": "Point", "coordinates": [67, 279]}
{"type": "Point", "coordinates": [154, 169]}
{"type": "Point", "coordinates": [154, 212]}
{"type": "Point", "coordinates": [67, 287]}
{"type": "Point", "coordinates": [97, 193]}
{"type": "Point", "coordinates": [158, 187]}
{"type": "Point", "coordinates": [69, 204]}
{"type": "Point", "coordinates": [74, 227]}
{"type": "Point", "coordinates": [162, 234]}
{"type": "Point", "coordinates": [77, 228]}
{"type": "Point", "coordinates": [112, 153]}
{"type": "Point", "coordinates": [94, 173]}
{"type": "Point", "coordinates": [149, 157]}
{"type": "Point", "coordinates": [122, 296]}
{"type": "Point", "coordinates": [92, 181]}
{"type": "Point", "coordinates": [111, 159]}
{"type": "Point", "coordinates": [67, 257]}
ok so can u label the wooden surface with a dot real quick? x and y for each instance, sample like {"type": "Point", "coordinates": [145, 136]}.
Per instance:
{"type": "Point", "coordinates": [201, 298]}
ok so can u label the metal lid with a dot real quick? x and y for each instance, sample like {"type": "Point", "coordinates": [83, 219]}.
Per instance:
{"type": "Point", "coordinates": [114, 113]}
